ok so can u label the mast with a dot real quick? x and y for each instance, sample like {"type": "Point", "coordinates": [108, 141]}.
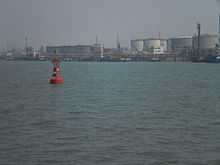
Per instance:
{"type": "Point", "coordinates": [96, 40]}
{"type": "Point", "coordinates": [198, 38]}
{"type": "Point", "coordinates": [26, 46]}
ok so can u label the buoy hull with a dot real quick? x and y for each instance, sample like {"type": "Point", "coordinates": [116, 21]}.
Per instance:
{"type": "Point", "coordinates": [56, 80]}
{"type": "Point", "coordinates": [56, 77]}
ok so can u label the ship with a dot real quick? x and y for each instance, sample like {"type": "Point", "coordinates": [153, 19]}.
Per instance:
{"type": "Point", "coordinates": [207, 59]}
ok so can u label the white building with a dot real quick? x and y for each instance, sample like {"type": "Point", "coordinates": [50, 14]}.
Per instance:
{"type": "Point", "coordinates": [155, 46]}
{"type": "Point", "coordinates": [137, 45]}
{"type": "Point", "coordinates": [180, 43]}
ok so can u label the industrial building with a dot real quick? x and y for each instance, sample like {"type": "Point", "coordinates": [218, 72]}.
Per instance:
{"type": "Point", "coordinates": [181, 47]}
{"type": "Point", "coordinates": [150, 45]}
{"type": "Point", "coordinates": [180, 43]}
{"type": "Point", "coordinates": [206, 48]}
{"type": "Point", "coordinates": [207, 41]}
{"type": "Point", "coordinates": [76, 52]}
{"type": "Point", "coordinates": [137, 45]}
{"type": "Point", "coordinates": [155, 46]}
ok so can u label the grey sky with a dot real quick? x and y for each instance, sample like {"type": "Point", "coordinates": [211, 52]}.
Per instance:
{"type": "Point", "coordinates": [48, 22]}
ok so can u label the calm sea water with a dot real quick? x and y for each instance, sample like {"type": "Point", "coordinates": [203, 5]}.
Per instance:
{"type": "Point", "coordinates": [110, 114]}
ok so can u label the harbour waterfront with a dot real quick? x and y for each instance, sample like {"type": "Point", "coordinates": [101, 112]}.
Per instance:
{"type": "Point", "coordinates": [110, 113]}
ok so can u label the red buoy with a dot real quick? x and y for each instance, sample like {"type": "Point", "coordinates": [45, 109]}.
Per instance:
{"type": "Point", "coordinates": [56, 77]}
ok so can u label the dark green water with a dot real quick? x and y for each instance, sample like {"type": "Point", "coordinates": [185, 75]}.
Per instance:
{"type": "Point", "coordinates": [110, 114]}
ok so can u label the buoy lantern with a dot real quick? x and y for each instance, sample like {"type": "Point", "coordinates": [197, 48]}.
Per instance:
{"type": "Point", "coordinates": [56, 77]}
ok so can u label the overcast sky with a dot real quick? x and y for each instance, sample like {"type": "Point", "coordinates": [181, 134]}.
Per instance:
{"type": "Point", "coordinates": [60, 22]}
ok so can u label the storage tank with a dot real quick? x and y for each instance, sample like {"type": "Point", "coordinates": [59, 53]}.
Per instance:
{"type": "Point", "coordinates": [137, 45]}
{"type": "Point", "coordinates": [207, 41]}
{"type": "Point", "coordinates": [151, 43]}
{"type": "Point", "coordinates": [163, 44]}
{"type": "Point", "coordinates": [154, 44]}
{"type": "Point", "coordinates": [179, 43]}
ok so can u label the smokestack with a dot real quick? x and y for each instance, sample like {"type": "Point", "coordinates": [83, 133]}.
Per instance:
{"type": "Point", "coordinates": [118, 43]}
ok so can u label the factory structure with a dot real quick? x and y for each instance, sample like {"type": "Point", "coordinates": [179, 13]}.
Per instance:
{"type": "Point", "coordinates": [78, 52]}
{"type": "Point", "coordinates": [199, 47]}
{"type": "Point", "coordinates": [150, 45]}
{"type": "Point", "coordinates": [208, 44]}
{"type": "Point", "coordinates": [161, 49]}
{"type": "Point", "coordinates": [181, 43]}
{"type": "Point", "coordinates": [181, 48]}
